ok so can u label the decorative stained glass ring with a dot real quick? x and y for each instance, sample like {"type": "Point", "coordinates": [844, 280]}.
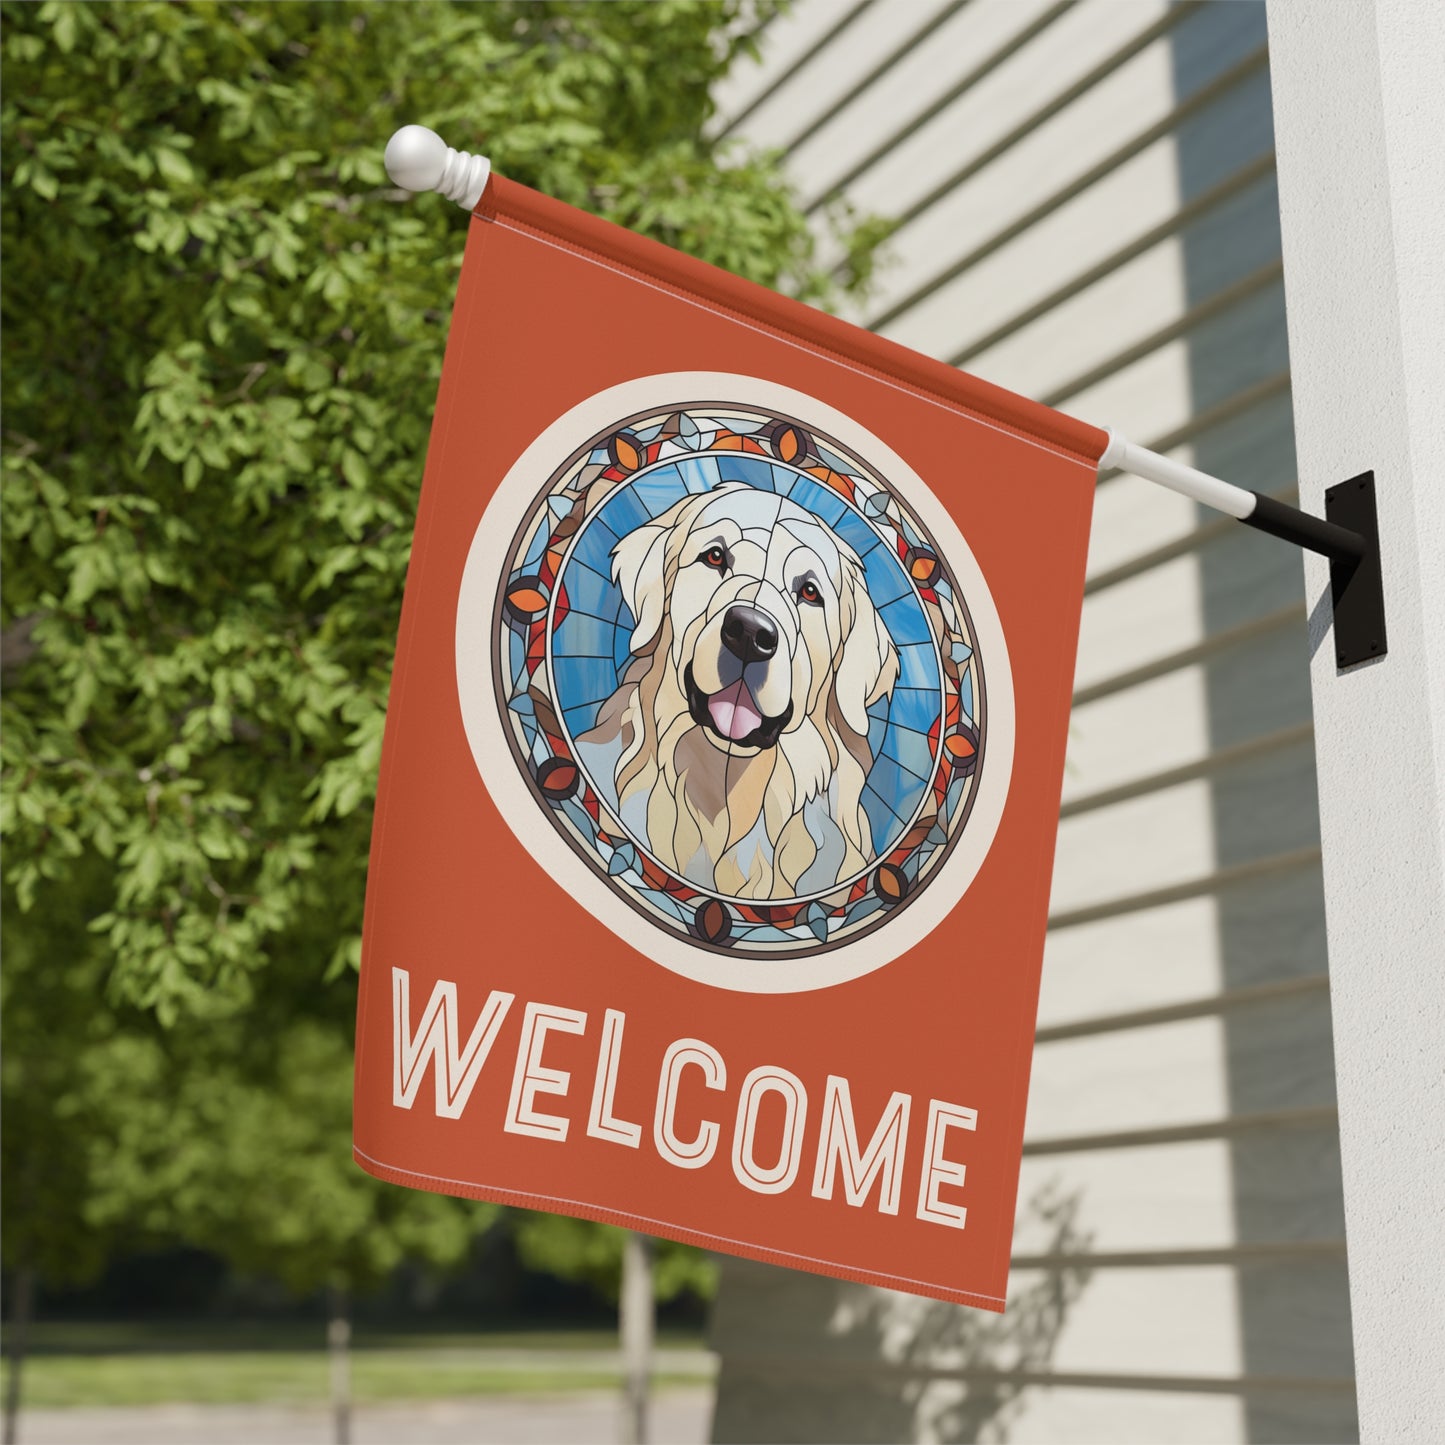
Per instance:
{"type": "Point", "coordinates": [740, 678]}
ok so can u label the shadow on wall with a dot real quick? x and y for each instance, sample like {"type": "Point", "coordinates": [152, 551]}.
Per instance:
{"type": "Point", "coordinates": [913, 1369]}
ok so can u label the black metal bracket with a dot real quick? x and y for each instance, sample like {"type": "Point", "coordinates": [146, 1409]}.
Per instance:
{"type": "Point", "coordinates": [1357, 590]}
{"type": "Point", "coordinates": [1349, 535]}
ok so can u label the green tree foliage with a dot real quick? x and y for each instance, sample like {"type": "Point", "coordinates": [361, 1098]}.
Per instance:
{"type": "Point", "coordinates": [48, 992]}
{"type": "Point", "coordinates": [223, 335]}
{"type": "Point", "coordinates": [223, 331]}
{"type": "Point", "coordinates": [232, 1133]}
{"type": "Point", "coordinates": [246, 1152]}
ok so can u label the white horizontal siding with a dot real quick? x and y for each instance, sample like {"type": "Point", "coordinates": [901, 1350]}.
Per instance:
{"type": "Point", "coordinates": [1171, 1197]}
{"type": "Point", "coordinates": [1033, 168]}
{"type": "Point", "coordinates": [1161, 1321]}
{"type": "Point", "coordinates": [1149, 959]}
{"type": "Point", "coordinates": [1058, 1415]}
{"type": "Point", "coordinates": [1137, 1079]}
{"type": "Point", "coordinates": [911, 88]}
{"type": "Point", "coordinates": [1099, 319]}
{"type": "Point", "coordinates": [1132, 517]}
{"type": "Point", "coordinates": [1143, 731]}
{"type": "Point", "coordinates": [786, 42]}
{"type": "Point", "coordinates": [1153, 841]}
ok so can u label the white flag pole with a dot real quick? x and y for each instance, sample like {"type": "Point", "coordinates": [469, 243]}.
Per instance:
{"type": "Point", "coordinates": [418, 159]}
{"type": "Point", "coordinates": [1258, 510]}
{"type": "Point", "coordinates": [1348, 535]}
{"type": "Point", "coordinates": [1123, 455]}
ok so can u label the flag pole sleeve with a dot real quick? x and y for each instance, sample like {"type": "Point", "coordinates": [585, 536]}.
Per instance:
{"type": "Point", "coordinates": [418, 159]}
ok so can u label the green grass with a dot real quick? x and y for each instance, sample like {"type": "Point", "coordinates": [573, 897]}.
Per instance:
{"type": "Point", "coordinates": [116, 1365]}
{"type": "Point", "coordinates": [165, 1336]}
{"type": "Point", "coordinates": [281, 1378]}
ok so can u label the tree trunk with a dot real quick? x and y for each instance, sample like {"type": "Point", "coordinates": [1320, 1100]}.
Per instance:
{"type": "Point", "coordinates": [635, 1322]}
{"type": "Point", "coordinates": [16, 1339]}
{"type": "Point", "coordinates": [338, 1344]}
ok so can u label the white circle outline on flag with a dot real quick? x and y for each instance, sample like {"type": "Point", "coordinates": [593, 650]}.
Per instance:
{"type": "Point", "coordinates": [488, 556]}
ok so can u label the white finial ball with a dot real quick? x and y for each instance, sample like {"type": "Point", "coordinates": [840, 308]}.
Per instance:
{"type": "Point", "coordinates": [415, 158]}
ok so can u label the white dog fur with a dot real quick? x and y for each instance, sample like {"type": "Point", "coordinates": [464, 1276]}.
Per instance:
{"type": "Point", "coordinates": [744, 774]}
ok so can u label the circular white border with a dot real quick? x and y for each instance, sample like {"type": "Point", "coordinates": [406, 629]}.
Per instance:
{"type": "Point", "coordinates": [524, 815]}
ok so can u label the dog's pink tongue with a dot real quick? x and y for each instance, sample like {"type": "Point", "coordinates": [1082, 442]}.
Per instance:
{"type": "Point", "coordinates": [732, 711]}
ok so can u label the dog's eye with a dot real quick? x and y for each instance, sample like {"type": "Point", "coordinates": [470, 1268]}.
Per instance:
{"type": "Point", "coordinates": [808, 592]}
{"type": "Point", "coordinates": [715, 557]}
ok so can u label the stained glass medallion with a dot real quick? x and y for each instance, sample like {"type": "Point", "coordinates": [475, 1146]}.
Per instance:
{"type": "Point", "coordinates": [740, 679]}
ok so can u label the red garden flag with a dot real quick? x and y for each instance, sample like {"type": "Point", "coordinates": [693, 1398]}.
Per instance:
{"type": "Point", "coordinates": [722, 768]}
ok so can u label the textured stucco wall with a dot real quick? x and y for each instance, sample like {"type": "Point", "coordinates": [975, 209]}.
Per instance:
{"type": "Point", "coordinates": [1359, 117]}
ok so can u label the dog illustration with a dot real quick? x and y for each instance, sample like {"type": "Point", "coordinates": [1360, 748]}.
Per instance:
{"type": "Point", "coordinates": [738, 737]}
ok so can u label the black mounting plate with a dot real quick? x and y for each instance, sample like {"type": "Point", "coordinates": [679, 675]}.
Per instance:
{"type": "Point", "coordinates": [1357, 587]}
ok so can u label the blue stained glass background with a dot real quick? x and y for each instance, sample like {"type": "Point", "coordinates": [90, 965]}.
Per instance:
{"type": "Point", "coordinates": [590, 647]}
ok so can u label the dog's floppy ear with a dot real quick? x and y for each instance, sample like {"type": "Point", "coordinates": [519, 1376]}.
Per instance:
{"type": "Point", "coordinates": [639, 568]}
{"type": "Point", "coordinates": [867, 661]}
{"type": "Point", "coordinates": [641, 562]}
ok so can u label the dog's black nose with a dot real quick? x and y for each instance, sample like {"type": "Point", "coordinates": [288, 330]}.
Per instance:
{"type": "Point", "coordinates": [748, 634]}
